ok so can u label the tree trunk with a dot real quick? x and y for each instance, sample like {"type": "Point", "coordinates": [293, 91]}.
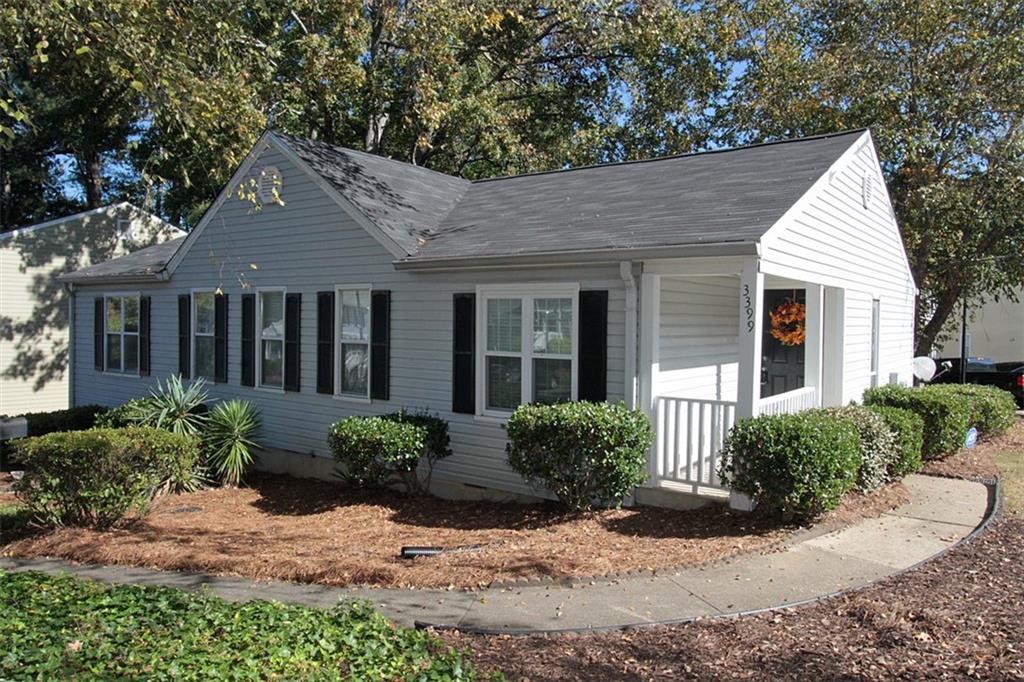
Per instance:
{"type": "Point", "coordinates": [943, 309]}
{"type": "Point", "coordinates": [90, 173]}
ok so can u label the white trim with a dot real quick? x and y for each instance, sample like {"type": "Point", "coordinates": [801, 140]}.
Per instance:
{"type": "Point", "coordinates": [338, 288]}
{"type": "Point", "coordinates": [875, 342]}
{"type": "Point", "coordinates": [259, 336]}
{"type": "Point", "coordinates": [526, 292]}
{"type": "Point", "coordinates": [137, 334]}
{"type": "Point", "coordinates": [193, 333]}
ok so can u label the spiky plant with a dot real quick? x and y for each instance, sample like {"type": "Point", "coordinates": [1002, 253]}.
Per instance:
{"type": "Point", "coordinates": [228, 440]}
{"type": "Point", "coordinates": [175, 407]}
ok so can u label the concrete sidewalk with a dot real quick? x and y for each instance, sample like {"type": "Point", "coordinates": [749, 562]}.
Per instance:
{"type": "Point", "coordinates": [941, 512]}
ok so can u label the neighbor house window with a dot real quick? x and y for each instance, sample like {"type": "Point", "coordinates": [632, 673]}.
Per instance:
{"type": "Point", "coordinates": [271, 326]}
{"type": "Point", "coordinates": [122, 334]}
{"type": "Point", "coordinates": [875, 331]}
{"type": "Point", "coordinates": [529, 349]}
{"type": "Point", "coordinates": [353, 342]}
{"type": "Point", "coordinates": [204, 325]}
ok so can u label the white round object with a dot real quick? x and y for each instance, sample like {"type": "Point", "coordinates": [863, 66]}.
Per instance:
{"type": "Point", "coordinates": [924, 368]}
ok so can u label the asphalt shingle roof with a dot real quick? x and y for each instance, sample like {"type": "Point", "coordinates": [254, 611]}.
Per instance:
{"type": "Point", "coordinates": [147, 262]}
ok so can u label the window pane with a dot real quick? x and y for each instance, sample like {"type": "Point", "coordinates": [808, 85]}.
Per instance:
{"type": "Point", "coordinates": [355, 315]}
{"type": "Point", "coordinates": [204, 313]}
{"type": "Point", "coordinates": [204, 356]}
{"type": "Point", "coordinates": [355, 369]}
{"type": "Point", "coordinates": [504, 382]}
{"type": "Point", "coordinates": [504, 324]}
{"type": "Point", "coordinates": [273, 313]}
{"type": "Point", "coordinates": [131, 353]}
{"type": "Point", "coordinates": [114, 314]}
{"type": "Point", "coordinates": [272, 367]}
{"type": "Point", "coordinates": [131, 314]}
{"type": "Point", "coordinates": [552, 380]}
{"type": "Point", "coordinates": [113, 352]}
{"type": "Point", "coordinates": [552, 325]}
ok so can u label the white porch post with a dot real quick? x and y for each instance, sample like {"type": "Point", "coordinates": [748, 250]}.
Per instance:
{"type": "Point", "coordinates": [748, 393]}
{"type": "Point", "coordinates": [813, 345]}
{"type": "Point", "coordinates": [650, 331]}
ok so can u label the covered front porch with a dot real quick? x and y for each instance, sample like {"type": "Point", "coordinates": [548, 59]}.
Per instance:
{"type": "Point", "coordinates": [711, 354]}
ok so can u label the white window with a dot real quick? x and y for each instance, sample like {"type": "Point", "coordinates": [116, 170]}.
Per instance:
{"type": "Point", "coordinates": [353, 352]}
{"type": "Point", "coordinates": [203, 329]}
{"type": "Point", "coordinates": [271, 328]}
{"type": "Point", "coordinates": [528, 348]}
{"type": "Point", "coordinates": [875, 332]}
{"type": "Point", "coordinates": [122, 334]}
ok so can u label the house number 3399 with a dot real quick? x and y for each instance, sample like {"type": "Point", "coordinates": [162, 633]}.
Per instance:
{"type": "Point", "coordinates": [748, 308]}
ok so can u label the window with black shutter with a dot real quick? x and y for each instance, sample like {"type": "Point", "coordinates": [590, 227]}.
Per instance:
{"type": "Point", "coordinates": [220, 360]}
{"type": "Point", "coordinates": [380, 342]}
{"type": "Point", "coordinates": [592, 377]}
{"type": "Point", "coordinates": [463, 354]}
{"type": "Point", "coordinates": [97, 333]}
{"type": "Point", "coordinates": [145, 314]}
{"type": "Point", "coordinates": [325, 342]}
{"type": "Point", "coordinates": [292, 341]}
{"type": "Point", "coordinates": [185, 336]}
{"type": "Point", "coordinates": [247, 356]}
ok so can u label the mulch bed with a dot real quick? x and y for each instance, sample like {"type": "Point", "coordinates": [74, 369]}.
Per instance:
{"type": "Point", "coordinates": [957, 617]}
{"type": "Point", "coordinates": [316, 531]}
{"type": "Point", "coordinates": [978, 463]}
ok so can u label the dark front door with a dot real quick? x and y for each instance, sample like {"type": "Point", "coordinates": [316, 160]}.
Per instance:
{"type": "Point", "coordinates": [782, 364]}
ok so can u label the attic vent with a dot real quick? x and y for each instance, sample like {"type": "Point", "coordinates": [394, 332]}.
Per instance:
{"type": "Point", "coordinates": [269, 185]}
{"type": "Point", "coordinates": [867, 188]}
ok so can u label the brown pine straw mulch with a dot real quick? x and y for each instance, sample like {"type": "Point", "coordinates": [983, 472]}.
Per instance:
{"type": "Point", "coordinates": [958, 617]}
{"type": "Point", "coordinates": [320, 532]}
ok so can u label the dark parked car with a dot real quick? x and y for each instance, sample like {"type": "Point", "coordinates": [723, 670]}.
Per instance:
{"type": "Point", "coordinates": [1008, 376]}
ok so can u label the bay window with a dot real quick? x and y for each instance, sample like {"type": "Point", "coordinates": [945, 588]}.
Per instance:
{"type": "Point", "coordinates": [529, 348]}
{"type": "Point", "coordinates": [121, 333]}
{"type": "Point", "coordinates": [271, 339]}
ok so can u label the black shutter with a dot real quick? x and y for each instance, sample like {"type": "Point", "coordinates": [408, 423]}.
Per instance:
{"type": "Point", "coordinates": [292, 336]}
{"type": "Point", "coordinates": [220, 338]}
{"type": "Point", "coordinates": [592, 377]}
{"type": "Point", "coordinates": [248, 354]}
{"type": "Point", "coordinates": [325, 342]}
{"type": "Point", "coordinates": [144, 317]}
{"type": "Point", "coordinates": [97, 333]}
{"type": "Point", "coordinates": [380, 341]}
{"type": "Point", "coordinates": [463, 360]}
{"type": "Point", "coordinates": [184, 335]}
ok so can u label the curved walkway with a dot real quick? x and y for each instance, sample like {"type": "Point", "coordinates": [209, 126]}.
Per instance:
{"type": "Point", "coordinates": [813, 564]}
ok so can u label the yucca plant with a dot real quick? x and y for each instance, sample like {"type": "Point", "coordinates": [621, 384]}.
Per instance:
{"type": "Point", "coordinates": [175, 407]}
{"type": "Point", "coordinates": [228, 440]}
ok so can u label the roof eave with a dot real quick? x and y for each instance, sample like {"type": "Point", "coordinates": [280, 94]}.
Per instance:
{"type": "Point", "coordinates": [135, 278]}
{"type": "Point", "coordinates": [590, 256]}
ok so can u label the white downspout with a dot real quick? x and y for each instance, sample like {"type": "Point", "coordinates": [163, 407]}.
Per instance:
{"type": "Point", "coordinates": [631, 369]}
{"type": "Point", "coordinates": [71, 344]}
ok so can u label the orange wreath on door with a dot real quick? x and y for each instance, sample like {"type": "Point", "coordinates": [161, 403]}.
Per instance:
{"type": "Point", "coordinates": [789, 323]}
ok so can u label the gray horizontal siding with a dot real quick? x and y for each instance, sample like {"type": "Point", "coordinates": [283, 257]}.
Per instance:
{"type": "Point", "coordinates": [310, 245]}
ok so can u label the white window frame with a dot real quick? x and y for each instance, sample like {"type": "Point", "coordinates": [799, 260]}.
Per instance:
{"type": "Point", "coordinates": [875, 350]}
{"type": "Point", "coordinates": [338, 395]}
{"type": "Point", "coordinates": [122, 333]}
{"type": "Point", "coordinates": [527, 293]}
{"type": "Point", "coordinates": [195, 333]}
{"type": "Point", "coordinates": [260, 338]}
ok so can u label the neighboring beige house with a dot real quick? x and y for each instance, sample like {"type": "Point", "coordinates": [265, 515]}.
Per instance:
{"type": "Point", "coordinates": [995, 330]}
{"type": "Point", "coordinates": [33, 304]}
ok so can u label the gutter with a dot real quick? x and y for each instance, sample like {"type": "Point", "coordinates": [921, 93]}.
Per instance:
{"type": "Point", "coordinates": [610, 255]}
{"type": "Point", "coordinates": [161, 276]}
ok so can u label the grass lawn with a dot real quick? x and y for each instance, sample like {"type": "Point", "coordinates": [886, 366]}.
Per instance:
{"type": "Point", "coordinates": [1011, 466]}
{"type": "Point", "coordinates": [66, 628]}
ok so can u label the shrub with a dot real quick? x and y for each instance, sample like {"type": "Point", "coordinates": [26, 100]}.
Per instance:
{"type": "Point", "coordinates": [908, 432]}
{"type": "Point", "coordinates": [799, 465]}
{"type": "Point", "coordinates": [877, 445]}
{"type": "Point", "coordinates": [373, 449]}
{"type": "Point", "coordinates": [72, 419]}
{"type": "Point", "coordinates": [174, 407]}
{"type": "Point", "coordinates": [95, 477]}
{"type": "Point", "coordinates": [992, 409]}
{"type": "Point", "coordinates": [946, 415]}
{"type": "Point", "coordinates": [580, 451]}
{"type": "Point", "coordinates": [227, 439]}
{"type": "Point", "coordinates": [130, 413]}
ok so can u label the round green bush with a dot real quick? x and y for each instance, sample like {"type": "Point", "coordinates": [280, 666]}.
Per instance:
{"type": "Point", "coordinates": [371, 449]}
{"type": "Point", "coordinates": [96, 477]}
{"type": "Point", "coordinates": [581, 451]}
{"type": "Point", "coordinates": [992, 408]}
{"type": "Point", "coordinates": [799, 465]}
{"type": "Point", "coordinates": [908, 431]}
{"type": "Point", "coordinates": [877, 445]}
{"type": "Point", "coordinates": [946, 414]}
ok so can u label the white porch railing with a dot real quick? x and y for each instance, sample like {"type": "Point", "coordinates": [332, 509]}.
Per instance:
{"type": "Point", "coordinates": [789, 402]}
{"type": "Point", "coordinates": [688, 443]}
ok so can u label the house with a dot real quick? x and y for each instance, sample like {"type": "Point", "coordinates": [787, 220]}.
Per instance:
{"type": "Point", "coordinates": [33, 307]}
{"type": "Point", "coordinates": [995, 330]}
{"type": "Point", "coordinates": [325, 282]}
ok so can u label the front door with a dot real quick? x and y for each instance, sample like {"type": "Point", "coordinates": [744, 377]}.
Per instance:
{"type": "Point", "coordinates": [782, 361]}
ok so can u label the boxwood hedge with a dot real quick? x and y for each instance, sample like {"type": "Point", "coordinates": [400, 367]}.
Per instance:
{"type": "Point", "coordinates": [992, 408]}
{"type": "Point", "coordinates": [946, 414]}
{"type": "Point", "coordinates": [877, 445]}
{"type": "Point", "coordinates": [908, 432]}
